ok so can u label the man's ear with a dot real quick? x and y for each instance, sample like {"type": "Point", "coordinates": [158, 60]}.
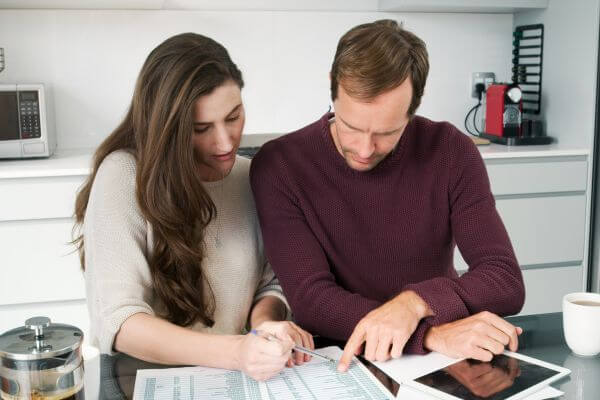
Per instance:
{"type": "Point", "coordinates": [331, 104]}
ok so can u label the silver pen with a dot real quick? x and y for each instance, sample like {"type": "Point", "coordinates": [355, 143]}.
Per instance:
{"type": "Point", "coordinates": [298, 348]}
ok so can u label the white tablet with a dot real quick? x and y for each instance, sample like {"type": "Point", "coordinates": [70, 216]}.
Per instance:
{"type": "Point", "coordinates": [509, 376]}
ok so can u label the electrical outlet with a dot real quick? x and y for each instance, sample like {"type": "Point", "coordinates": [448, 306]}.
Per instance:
{"type": "Point", "coordinates": [487, 78]}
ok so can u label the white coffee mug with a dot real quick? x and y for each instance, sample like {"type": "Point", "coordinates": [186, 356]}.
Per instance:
{"type": "Point", "coordinates": [581, 323]}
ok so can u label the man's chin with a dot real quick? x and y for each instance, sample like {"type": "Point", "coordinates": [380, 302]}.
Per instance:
{"type": "Point", "coordinates": [358, 166]}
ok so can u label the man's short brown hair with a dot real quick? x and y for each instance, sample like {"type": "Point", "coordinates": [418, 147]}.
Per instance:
{"type": "Point", "coordinates": [373, 58]}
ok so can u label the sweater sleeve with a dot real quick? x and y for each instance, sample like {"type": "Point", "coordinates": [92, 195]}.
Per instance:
{"type": "Point", "coordinates": [269, 286]}
{"type": "Point", "coordinates": [318, 303]}
{"type": "Point", "coordinates": [494, 281]}
{"type": "Point", "coordinates": [118, 282]}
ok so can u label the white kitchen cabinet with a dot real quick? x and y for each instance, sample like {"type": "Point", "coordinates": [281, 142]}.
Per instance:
{"type": "Point", "coordinates": [39, 269]}
{"type": "Point", "coordinates": [545, 230]}
{"type": "Point", "coordinates": [38, 197]}
{"type": "Point", "coordinates": [545, 287]}
{"type": "Point", "coordinates": [39, 263]}
{"type": "Point", "coordinates": [527, 176]}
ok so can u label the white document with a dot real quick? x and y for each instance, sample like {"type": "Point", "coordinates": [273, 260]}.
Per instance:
{"type": "Point", "coordinates": [317, 379]}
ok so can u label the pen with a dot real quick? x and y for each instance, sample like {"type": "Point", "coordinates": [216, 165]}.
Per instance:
{"type": "Point", "coordinates": [300, 349]}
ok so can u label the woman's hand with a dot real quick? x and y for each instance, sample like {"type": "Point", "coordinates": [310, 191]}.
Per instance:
{"type": "Point", "coordinates": [289, 330]}
{"type": "Point", "coordinates": [260, 358]}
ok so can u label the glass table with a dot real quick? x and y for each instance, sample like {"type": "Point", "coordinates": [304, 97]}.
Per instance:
{"type": "Point", "coordinates": [113, 377]}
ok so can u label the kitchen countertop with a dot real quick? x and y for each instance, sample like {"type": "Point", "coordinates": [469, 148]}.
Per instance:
{"type": "Point", "coordinates": [61, 163]}
{"type": "Point", "coordinates": [499, 151]}
{"type": "Point", "coordinates": [75, 162]}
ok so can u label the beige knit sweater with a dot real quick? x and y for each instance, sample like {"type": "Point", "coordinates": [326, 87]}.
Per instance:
{"type": "Point", "coordinates": [118, 242]}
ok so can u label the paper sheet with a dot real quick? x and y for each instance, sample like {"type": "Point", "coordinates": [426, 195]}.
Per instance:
{"type": "Point", "coordinates": [317, 379]}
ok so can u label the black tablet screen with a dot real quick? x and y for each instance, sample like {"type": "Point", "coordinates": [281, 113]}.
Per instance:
{"type": "Point", "coordinates": [498, 379]}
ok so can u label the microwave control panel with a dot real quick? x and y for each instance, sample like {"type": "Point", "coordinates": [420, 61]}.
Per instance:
{"type": "Point", "coordinates": [29, 113]}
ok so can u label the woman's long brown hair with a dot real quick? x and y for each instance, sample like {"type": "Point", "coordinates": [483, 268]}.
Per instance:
{"type": "Point", "coordinates": [158, 131]}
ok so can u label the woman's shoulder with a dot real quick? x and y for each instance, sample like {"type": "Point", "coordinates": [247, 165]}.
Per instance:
{"type": "Point", "coordinates": [118, 169]}
{"type": "Point", "coordinates": [115, 176]}
{"type": "Point", "coordinates": [119, 162]}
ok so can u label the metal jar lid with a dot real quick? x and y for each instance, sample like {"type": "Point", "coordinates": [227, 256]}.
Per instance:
{"type": "Point", "coordinates": [39, 339]}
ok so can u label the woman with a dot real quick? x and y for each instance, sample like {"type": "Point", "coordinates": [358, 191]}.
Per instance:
{"type": "Point", "coordinates": [170, 244]}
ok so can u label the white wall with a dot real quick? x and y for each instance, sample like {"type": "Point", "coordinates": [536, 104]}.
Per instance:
{"type": "Point", "coordinates": [91, 59]}
{"type": "Point", "coordinates": [569, 89]}
{"type": "Point", "coordinates": [570, 67]}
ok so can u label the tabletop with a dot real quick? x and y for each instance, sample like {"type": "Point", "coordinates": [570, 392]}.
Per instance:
{"type": "Point", "coordinates": [113, 377]}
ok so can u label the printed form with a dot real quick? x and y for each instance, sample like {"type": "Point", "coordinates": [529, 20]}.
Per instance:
{"type": "Point", "coordinates": [317, 379]}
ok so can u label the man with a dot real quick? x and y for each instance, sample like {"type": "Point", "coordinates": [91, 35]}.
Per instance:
{"type": "Point", "coordinates": [360, 212]}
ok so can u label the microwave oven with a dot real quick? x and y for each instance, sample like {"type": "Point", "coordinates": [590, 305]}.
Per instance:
{"type": "Point", "coordinates": [26, 123]}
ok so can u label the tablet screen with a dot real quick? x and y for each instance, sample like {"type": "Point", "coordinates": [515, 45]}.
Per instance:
{"type": "Point", "coordinates": [500, 378]}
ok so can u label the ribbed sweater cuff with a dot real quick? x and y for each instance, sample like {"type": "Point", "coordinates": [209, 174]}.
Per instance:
{"type": "Point", "coordinates": [416, 343]}
{"type": "Point", "coordinates": [442, 299]}
{"type": "Point", "coordinates": [112, 324]}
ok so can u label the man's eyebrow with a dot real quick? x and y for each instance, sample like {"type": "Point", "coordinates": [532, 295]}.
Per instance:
{"type": "Point", "coordinates": [347, 124]}
{"type": "Point", "coordinates": [389, 132]}
{"type": "Point", "coordinates": [233, 110]}
{"type": "Point", "coordinates": [378, 133]}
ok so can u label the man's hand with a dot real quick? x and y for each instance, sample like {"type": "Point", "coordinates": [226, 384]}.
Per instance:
{"type": "Point", "coordinates": [385, 330]}
{"type": "Point", "coordinates": [479, 336]}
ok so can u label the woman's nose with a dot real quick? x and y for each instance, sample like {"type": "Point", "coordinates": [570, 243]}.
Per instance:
{"type": "Point", "coordinates": [223, 141]}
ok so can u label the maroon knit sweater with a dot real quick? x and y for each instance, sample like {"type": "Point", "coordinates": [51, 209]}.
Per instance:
{"type": "Point", "coordinates": [342, 242]}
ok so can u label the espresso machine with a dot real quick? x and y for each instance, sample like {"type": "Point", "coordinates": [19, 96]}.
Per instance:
{"type": "Point", "coordinates": [512, 110]}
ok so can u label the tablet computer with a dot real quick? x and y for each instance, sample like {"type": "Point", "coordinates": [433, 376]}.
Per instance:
{"type": "Point", "coordinates": [508, 376]}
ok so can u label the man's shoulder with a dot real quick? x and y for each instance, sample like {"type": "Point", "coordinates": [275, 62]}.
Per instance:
{"type": "Point", "coordinates": [441, 130]}
{"type": "Point", "coordinates": [440, 134]}
{"type": "Point", "coordinates": [290, 147]}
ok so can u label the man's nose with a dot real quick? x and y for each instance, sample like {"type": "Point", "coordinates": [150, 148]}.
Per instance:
{"type": "Point", "coordinates": [366, 146]}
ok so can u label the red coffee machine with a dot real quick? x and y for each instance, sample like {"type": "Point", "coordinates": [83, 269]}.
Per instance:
{"type": "Point", "coordinates": [504, 121]}
{"type": "Point", "coordinates": [503, 110]}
